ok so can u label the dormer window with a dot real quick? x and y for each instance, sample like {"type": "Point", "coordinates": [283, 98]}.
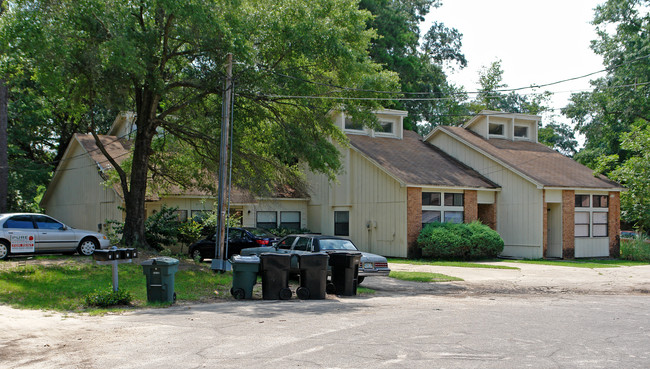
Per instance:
{"type": "Point", "coordinates": [496, 129]}
{"type": "Point", "coordinates": [386, 126]}
{"type": "Point", "coordinates": [521, 131]}
{"type": "Point", "coordinates": [350, 124]}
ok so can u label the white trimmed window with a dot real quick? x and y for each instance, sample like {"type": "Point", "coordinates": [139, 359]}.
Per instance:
{"type": "Point", "coordinates": [496, 129]}
{"type": "Point", "coordinates": [521, 131]}
{"type": "Point", "coordinates": [352, 125]}
{"type": "Point", "coordinates": [444, 207]}
{"type": "Point", "coordinates": [591, 216]}
{"type": "Point", "coordinates": [266, 219]}
{"type": "Point", "coordinates": [290, 219]}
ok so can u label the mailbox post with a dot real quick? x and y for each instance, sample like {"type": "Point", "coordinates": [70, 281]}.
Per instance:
{"type": "Point", "coordinates": [114, 256]}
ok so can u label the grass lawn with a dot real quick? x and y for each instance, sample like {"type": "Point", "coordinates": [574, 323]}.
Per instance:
{"type": "Point", "coordinates": [62, 282]}
{"type": "Point", "coordinates": [461, 264]}
{"type": "Point", "coordinates": [423, 277]}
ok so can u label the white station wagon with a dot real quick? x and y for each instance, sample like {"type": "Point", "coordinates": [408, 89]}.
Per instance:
{"type": "Point", "coordinates": [26, 233]}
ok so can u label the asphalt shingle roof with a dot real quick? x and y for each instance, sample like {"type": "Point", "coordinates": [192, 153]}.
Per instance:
{"type": "Point", "coordinates": [537, 161]}
{"type": "Point", "coordinates": [417, 163]}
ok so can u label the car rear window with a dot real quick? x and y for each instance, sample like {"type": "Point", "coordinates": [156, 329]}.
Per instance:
{"type": "Point", "coordinates": [332, 244]}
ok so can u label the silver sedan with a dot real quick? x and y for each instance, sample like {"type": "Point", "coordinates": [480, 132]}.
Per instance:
{"type": "Point", "coordinates": [27, 233]}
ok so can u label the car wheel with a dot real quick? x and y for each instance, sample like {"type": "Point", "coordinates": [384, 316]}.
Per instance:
{"type": "Point", "coordinates": [360, 280]}
{"type": "Point", "coordinates": [196, 254]}
{"type": "Point", "coordinates": [87, 246]}
{"type": "Point", "coordinates": [4, 250]}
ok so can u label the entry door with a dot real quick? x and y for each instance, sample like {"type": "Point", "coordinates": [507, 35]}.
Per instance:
{"type": "Point", "coordinates": [554, 229]}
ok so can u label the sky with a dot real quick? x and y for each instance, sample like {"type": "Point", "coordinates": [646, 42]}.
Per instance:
{"type": "Point", "coordinates": [538, 42]}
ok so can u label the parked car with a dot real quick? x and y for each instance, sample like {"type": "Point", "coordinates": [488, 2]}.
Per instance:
{"type": "Point", "coordinates": [370, 265]}
{"type": "Point", "coordinates": [27, 233]}
{"type": "Point", "coordinates": [628, 236]}
{"type": "Point", "coordinates": [238, 239]}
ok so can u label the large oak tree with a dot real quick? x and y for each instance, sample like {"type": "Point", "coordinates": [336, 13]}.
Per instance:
{"type": "Point", "coordinates": [164, 60]}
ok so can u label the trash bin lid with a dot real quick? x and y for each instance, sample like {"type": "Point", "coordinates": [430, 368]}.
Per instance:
{"type": "Point", "coordinates": [252, 259]}
{"type": "Point", "coordinates": [162, 260]}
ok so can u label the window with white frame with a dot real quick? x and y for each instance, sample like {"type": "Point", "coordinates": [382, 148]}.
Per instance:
{"type": "Point", "coordinates": [351, 124]}
{"type": "Point", "coordinates": [290, 220]}
{"type": "Point", "coordinates": [386, 126]}
{"type": "Point", "coordinates": [521, 131]}
{"type": "Point", "coordinates": [266, 219]}
{"type": "Point", "coordinates": [496, 129]}
{"type": "Point", "coordinates": [591, 215]}
{"type": "Point", "coordinates": [442, 207]}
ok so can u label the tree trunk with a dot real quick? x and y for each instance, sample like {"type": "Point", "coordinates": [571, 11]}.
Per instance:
{"type": "Point", "coordinates": [134, 231]}
{"type": "Point", "coordinates": [4, 156]}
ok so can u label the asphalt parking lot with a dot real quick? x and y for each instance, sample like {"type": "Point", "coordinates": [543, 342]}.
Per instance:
{"type": "Point", "coordinates": [494, 319]}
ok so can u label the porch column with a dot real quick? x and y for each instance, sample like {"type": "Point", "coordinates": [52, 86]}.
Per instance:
{"type": "Point", "coordinates": [470, 206]}
{"type": "Point", "coordinates": [413, 220]}
{"type": "Point", "coordinates": [614, 224]}
{"type": "Point", "coordinates": [545, 224]}
{"type": "Point", "coordinates": [568, 224]}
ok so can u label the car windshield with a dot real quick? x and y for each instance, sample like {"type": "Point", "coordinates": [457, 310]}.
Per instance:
{"type": "Point", "coordinates": [259, 232]}
{"type": "Point", "coordinates": [333, 244]}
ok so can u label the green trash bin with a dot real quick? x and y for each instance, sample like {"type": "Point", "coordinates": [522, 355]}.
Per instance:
{"type": "Point", "coordinates": [244, 275]}
{"type": "Point", "coordinates": [160, 273]}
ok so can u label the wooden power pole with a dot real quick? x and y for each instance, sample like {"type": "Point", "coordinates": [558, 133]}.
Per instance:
{"type": "Point", "coordinates": [218, 263]}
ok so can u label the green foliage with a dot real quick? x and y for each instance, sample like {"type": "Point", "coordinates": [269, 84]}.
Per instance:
{"type": "Point", "coordinates": [108, 298]}
{"type": "Point", "coordinates": [417, 60]}
{"type": "Point", "coordinates": [163, 60]}
{"type": "Point", "coordinates": [450, 241]}
{"type": "Point", "coordinates": [189, 232]}
{"type": "Point", "coordinates": [281, 232]}
{"type": "Point", "coordinates": [637, 249]}
{"type": "Point", "coordinates": [634, 173]}
{"type": "Point", "coordinates": [620, 100]}
{"type": "Point", "coordinates": [162, 227]}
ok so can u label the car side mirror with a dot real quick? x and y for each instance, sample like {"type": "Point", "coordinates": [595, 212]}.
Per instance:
{"type": "Point", "coordinates": [64, 228]}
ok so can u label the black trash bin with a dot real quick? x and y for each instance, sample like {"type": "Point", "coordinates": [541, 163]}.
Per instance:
{"type": "Point", "coordinates": [275, 276]}
{"type": "Point", "coordinates": [345, 273]}
{"type": "Point", "coordinates": [313, 276]}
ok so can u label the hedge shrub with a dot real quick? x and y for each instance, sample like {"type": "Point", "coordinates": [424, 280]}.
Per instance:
{"type": "Point", "coordinates": [637, 249]}
{"type": "Point", "coordinates": [451, 241]}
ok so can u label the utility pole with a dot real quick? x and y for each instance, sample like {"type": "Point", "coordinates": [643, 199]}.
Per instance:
{"type": "Point", "coordinates": [218, 263]}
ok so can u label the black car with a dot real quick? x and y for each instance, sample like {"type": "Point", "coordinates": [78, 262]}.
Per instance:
{"type": "Point", "coordinates": [238, 239]}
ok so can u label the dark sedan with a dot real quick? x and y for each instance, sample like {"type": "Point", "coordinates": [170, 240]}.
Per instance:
{"type": "Point", "coordinates": [238, 239]}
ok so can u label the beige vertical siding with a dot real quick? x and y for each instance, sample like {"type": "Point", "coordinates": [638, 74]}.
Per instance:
{"type": "Point", "coordinates": [519, 203]}
{"type": "Point", "coordinates": [376, 202]}
{"type": "Point", "coordinates": [79, 199]}
{"type": "Point", "coordinates": [591, 247]}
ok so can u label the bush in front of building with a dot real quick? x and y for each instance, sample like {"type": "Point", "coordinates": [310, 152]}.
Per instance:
{"type": "Point", "coordinates": [464, 241]}
{"type": "Point", "coordinates": [637, 248]}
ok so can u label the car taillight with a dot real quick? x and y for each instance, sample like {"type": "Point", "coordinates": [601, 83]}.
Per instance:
{"type": "Point", "coordinates": [262, 242]}
{"type": "Point", "coordinates": [381, 265]}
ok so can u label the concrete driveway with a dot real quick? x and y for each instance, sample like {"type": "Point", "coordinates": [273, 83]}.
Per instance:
{"type": "Point", "coordinates": [534, 278]}
{"type": "Point", "coordinates": [495, 319]}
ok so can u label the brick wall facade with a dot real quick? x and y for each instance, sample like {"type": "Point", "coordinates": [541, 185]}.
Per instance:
{"type": "Point", "coordinates": [568, 224]}
{"type": "Point", "coordinates": [413, 219]}
{"type": "Point", "coordinates": [614, 224]}
{"type": "Point", "coordinates": [487, 214]}
{"type": "Point", "coordinates": [470, 204]}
